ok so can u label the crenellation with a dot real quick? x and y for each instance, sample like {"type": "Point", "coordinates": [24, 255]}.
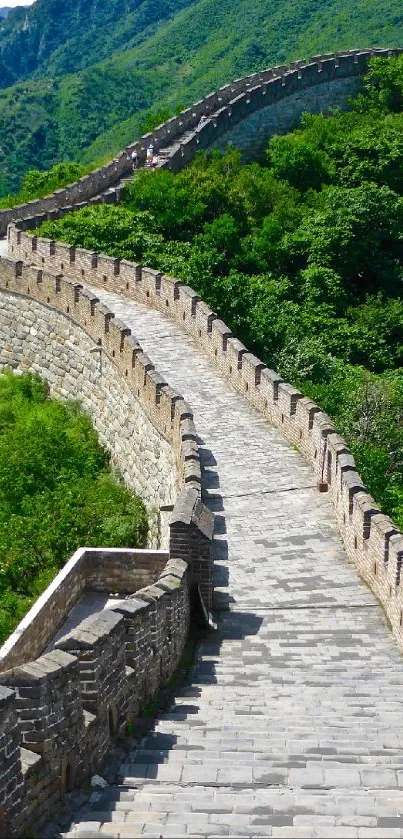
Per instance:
{"type": "Point", "coordinates": [119, 658]}
{"type": "Point", "coordinates": [10, 761]}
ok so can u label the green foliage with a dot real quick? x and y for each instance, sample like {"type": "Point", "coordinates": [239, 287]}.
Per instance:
{"type": "Point", "coordinates": [153, 119]}
{"type": "Point", "coordinates": [57, 492]}
{"type": "Point", "coordinates": [73, 89]}
{"type": "Point", "coordinates": [298, 162]}
{"type": "Point", "coordinates": [302, 257]}
{"type": "Point", "coordinates": [35, 184]}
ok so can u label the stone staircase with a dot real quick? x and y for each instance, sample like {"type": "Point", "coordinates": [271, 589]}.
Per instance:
{"type": "Point", "coordinates": [163, 155]}
{"type": "Point", "coordinates": [291, 722]}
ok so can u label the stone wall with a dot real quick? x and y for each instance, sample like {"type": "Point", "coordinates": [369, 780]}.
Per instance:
{"type": "Point", "coordinates": [63, 305]}
{"type": "Point", "coordinates": [39, 339]}
{"type": "Point", "coordinates": [89, 569]}
{"type": "Point", "coordinates": [103, 672]}
{"type": "Point", "coordinates": [112, 664]}
{"type": "Point", "coordinates": [374, 545]}
{"type": "Point", "coordinates": [252, 133]}
{"type": "Point", "coordinates": [178, 139]}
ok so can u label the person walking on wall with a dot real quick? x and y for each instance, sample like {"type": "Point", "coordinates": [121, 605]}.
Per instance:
{"type": "Point", "coordinates": [150, 156]}
{"type": "Point", "coordinates": [135, 160]}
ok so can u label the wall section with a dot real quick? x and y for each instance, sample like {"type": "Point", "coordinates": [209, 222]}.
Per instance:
{"type": "Point", "coordinates": [36, 338]}
{"type": "Point", "coordinates": [373, 543]}
{"type": "Point", "coordinates": [251, 134]}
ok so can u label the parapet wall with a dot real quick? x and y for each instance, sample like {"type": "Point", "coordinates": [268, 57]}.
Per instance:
{"type": "Point", "coordinates": [113, 663]}
{"type": "Point", "coordinates": [89, 569]}
{"type": "Point", "coordinates": [112, 342]}
{"type": "Point", "coordinates": [178, 139]}
{"type": "Point", "coordinates": [374, 545]}
{"type": "Point", "coordinates": [60, 714]}
{"type": "Point", "coordinates": [146, 425]}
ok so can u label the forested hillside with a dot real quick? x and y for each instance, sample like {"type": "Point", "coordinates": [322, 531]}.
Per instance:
{"type": "Point", "coordinates": [156, 55]}
{"type": "Point", "coordinates": [52, 37]}
{"type": "Point", "coordinates": [301, 256]}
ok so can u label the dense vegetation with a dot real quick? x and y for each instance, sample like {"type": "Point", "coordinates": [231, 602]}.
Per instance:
{"type": "Point", "coordinates": [62, 105]}
{"type": "Point", "coordinates": [301, 255]}
{"type": "Point", "coordinates": [35, 183]}
{"type": "Point", "coordinates": [57, 492]}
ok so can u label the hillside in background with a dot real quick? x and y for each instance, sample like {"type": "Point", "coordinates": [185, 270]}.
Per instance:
{"type": "Point", "coordinates": [155, 55]}
{"type": "Point", "coordinates": [53, 37]}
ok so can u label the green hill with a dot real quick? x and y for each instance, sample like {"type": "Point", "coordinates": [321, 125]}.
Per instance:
{"type": "Point", "coordinates": [160, 55]}
{"type": "Point", "coordinates": [54, 38]}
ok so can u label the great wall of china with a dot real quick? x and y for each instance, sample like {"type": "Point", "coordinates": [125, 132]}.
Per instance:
{"type": "Point", "coordinates": [291, 725]}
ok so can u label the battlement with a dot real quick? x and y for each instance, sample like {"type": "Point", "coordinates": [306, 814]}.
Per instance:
{"type": "Point", "coordinates": [373, 543]}
{"type": "Point", "coordinates": [112, 664]}
{"type": "Point", "coordinates": [177, 140]}
{"type": "Point", "coordinates": [104, 671]}
{"type": "Point", "coordinates": [109, 666]}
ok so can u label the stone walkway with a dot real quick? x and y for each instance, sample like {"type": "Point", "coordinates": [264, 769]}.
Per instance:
{"type": "Point", "coordinates": [292, 725]}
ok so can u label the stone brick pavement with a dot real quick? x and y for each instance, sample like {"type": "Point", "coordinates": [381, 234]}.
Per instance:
{"type": "Point", "coordinates": [292, 725]}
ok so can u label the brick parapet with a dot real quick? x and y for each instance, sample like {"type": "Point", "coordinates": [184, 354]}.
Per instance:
{"type": "Point", "coordinates": [89, 569]}
{"type": "Point", "coordinates": [165, 408]}
{"type": "Point", "coordinates": [61, 713]}
{"type": "Point", "coordinates": [115, 661]}
{"type": "Point", "coordinates": [178, 139]}
{"type": "Point", "coordinates": [367, 534]}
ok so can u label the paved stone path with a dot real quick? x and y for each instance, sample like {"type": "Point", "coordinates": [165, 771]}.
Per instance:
{"type": "Point", "coordinates": [292, 725]}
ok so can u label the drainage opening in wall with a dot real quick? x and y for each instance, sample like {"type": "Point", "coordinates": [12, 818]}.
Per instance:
{"type": "Point", "coordinates": [68, 774]}
{"type": "Point", "coordinates": [112, 720]}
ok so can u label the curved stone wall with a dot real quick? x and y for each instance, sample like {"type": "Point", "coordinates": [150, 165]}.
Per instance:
{"type": "Point", "coordinates": [35, 337]}
{"type": "Point", "coordinates": [177, 140]}
{"type": "Point", "coordinates": [252, 133]}
{"type": "Point", "coordinates": [114, 662]}
{"type": "Point", "coordinates": [373, 543]}
{"type": "Point", "coordinates": [110, 665]}
{"type": "Point", "coordinates": [127, 396]}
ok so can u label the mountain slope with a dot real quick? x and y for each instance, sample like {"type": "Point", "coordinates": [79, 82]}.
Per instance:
{"type": "Point", "coordinates": [203, 45]}
{"type": "Point", "coordinates": [54, 37]}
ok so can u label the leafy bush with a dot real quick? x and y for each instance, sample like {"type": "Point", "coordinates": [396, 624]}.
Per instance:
{"type": "Point", "coordinates": [57, 492]}
{"type": "Point", "coordinates": [35, 184]}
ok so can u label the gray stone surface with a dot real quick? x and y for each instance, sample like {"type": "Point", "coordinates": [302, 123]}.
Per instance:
{"type": "Point", "coordinates": [252, 134]}
{"type": "Point", "coordinates": [291, 725]}
{"type": "Point", "coordinates": [41, 340]}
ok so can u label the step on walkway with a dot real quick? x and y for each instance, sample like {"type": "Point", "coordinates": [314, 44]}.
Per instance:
{"type": "Point", "coordinates": [292, 724]}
